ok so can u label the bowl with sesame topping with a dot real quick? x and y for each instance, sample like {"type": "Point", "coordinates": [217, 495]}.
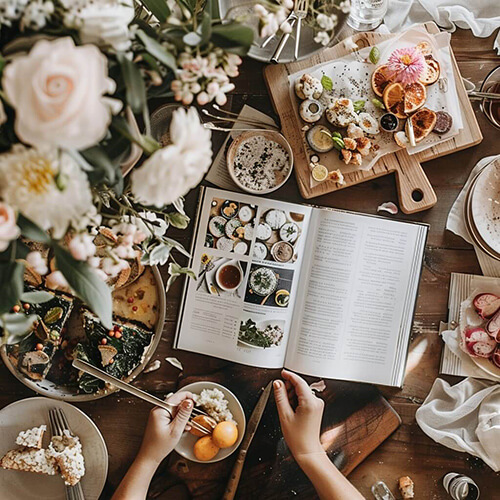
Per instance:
{"type": "Point", "coordinates": [260, 162]}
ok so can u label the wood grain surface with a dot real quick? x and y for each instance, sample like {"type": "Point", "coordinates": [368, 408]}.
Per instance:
{"type": "Point", "coordinates": [414, 190]}
{"type": "Point", "coordinates": [122, 418]}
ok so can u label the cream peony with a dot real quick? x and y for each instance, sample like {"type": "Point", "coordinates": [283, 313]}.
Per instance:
{"type": "Point", "coordinates": [172, 171]}
{"type": "Point", "coordinates": [57, 91]}
{"type": "Point", "coordinates": [8, 227]}
{"type": "Point", "coordinates": [102, 22]}
{"type": "Point", "coordinates": [46, 185]}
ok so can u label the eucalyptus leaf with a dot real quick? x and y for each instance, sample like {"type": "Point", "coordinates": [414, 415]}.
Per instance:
{"type": "Point", "coordinates": [206, 26]}
{"type": "Point", "coordinates": [176, 245]}
{"type": "Point", "coordinates": [135, 89]}
{"type": "Point", "coordinates": [158, 51]}
{"type": "Point", "coordinates": [159, 255]}
{"type": "Point", "coordinates": [17, 326]}
{"type": "Point", "coordinates": [36, 297]}
{"type": "Point", "coordinates": [180, 221]}
{"type": "Point", "coordinates": [11, 278]}
{"type": "Point", "coordinates": [233, 36]}
{"type": "Point", "coordinates": [192, 39]}
{"type": "Point", "coordinates": [31, 230]}
{"type": "Point", "coordinates": [326, 82]}
{"type": "Point", "coordinates": [158, 8]}
{"type": "Point", "coordinates": [103, 168]}
{"type": "Point", "coordinates": [174, 271]}
{"type": "Point", "coordinates": [86, 284]}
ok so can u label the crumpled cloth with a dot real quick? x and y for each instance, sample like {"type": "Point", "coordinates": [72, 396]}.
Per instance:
{"type": "Point", "coordinates": [464, 417]}
{"type": "Point", "coordinates": [481, 16]}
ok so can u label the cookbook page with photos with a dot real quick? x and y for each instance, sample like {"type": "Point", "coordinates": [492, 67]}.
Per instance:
{"type": "Point", "coordinates": [362, 280]}
{"type": "Point", "coordinates": [247, 255]}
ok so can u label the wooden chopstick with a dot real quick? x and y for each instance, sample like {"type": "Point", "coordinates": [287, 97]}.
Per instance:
{"type": "Point", "coordinates": [79, 364]}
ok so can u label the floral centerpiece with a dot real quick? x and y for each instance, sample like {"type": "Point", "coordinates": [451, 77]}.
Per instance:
{"type": "Point", "coordinates": [74, 73]}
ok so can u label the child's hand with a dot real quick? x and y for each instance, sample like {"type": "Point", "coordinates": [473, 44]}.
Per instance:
{"type": "Point", "coordinates": [162, 434]}
{"type": "Point", "coordinates": [301, 427]}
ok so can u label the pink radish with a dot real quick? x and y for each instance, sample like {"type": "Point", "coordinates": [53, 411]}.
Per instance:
{"type": "Point", "coordinates": [496, 357]}
{"type": "Point", "coordinates": [478, 342]}
{"type": "Point", "coordinates": [493, 327]}
{"type": "Point", "coordinates": [486, 304]}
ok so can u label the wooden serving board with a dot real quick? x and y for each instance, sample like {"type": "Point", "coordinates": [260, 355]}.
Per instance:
{"type": "Point", "coordinates": [357, 420]}
{"type": "Point", "coordinates": [415, 191]}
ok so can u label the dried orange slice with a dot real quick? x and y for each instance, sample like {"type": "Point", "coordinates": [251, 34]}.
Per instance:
{"type": "Point", "coordinates": [394, 97]}
{"type": "Point", "coordinates": [425, 48]}
{"type": "Point", "coordinates": [423, 122]}
{"type": "Point", "coordinates": [432, 71]}
{"type": "Point", "coordinates": [414, 98]}
{"type": "Point", "coordinates": [380, 80]}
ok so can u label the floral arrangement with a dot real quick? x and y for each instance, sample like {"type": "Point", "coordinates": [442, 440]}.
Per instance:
{"type": "Point", "coordinates": [322, 17]}
{"type": "Point", "coordinates": [74, 74]}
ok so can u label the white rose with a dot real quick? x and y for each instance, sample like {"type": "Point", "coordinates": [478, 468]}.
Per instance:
{"type": "Point", "coordinates": [102, 22]}
{"type": "Point", "coordinates": [57, 92]}
{"type": "Point", "coordinates": [171, 172]}
{"type": "Point", "coordinates": [8, 227]}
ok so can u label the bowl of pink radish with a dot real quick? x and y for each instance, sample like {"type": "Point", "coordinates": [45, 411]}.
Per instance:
{"type": "Point", "coordinates": [480, 333]}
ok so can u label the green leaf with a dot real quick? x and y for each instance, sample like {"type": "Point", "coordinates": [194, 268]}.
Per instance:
{"type": "Point", "coordinates": [206, 25]}
{"type": "Point", "coordinates": [233, 37]}
{"type": "Point", "coordinates": [18, 325]}
{"type": "Point", "coordinates": [359, 105]}
{"type": "Point", "coordinates": [11, 278]}
{"type": "Point", "coordinates": [378, 103]}
{"type": "Point", "coordinates": [158, 256]}
{"type": "Point", "coordinates": [374, 55]}
{"type": "Point", "coordinates": [36, 297]}
{"type": "Point", "coordinates": [104, 169]}
{"type": "Point", "coordinates": [31, 230]}
{"type": "Point", "coordinates": [86, 284]}
{"type": "Point", "coordinates": [178, 220]}
{"type": "Point", "coordinates": [174, 270]}
{"type": "Point", "coordinates": [158, 51]}
{"type": "Point", "coordinates": [135, 89]}
{"type": "Point", "coordinates": [327, 82]}
{"type": "Point", "coordinates": [159, 8]}
{"type": "Point", "coordinates": [148, 144]}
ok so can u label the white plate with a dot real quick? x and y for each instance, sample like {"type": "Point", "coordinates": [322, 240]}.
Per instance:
{"type": "Point", "coordinates": [186, 444]}
{"type": "Point", "coordinates": [487, 366]}
{"type": "Point", "coordinates": [32, 412]}
{"type": "Point", "coordinates": [485, 205]}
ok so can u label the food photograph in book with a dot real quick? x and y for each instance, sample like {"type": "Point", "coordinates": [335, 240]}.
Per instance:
{"type": "Point", "coordinates": [230, 226]}
{"type": "Point", "coordinates": [277, 236]}
{"type": "Point", "coordinates": [261, 333]}
{"type": "Point", "coordinates": [221, 276]}
{"type": "Point", "coordinates": [269, 286]}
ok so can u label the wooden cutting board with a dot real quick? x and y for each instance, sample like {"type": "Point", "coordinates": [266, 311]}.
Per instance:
{"type": "Point", "coordinates": [414, 189]}
{"type": "Point", "coordinates": [357, 420]}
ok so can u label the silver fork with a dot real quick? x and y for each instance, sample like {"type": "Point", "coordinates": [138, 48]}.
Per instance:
{"type": "Point", "coordinates": [301, 8]}
{"type": "Point", "coordinates": [58, 424]}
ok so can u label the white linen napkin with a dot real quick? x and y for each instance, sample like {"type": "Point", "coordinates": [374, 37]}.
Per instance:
{"type": "Point", "coordinates": [481, 16]}
{"type": "Point", "coordinates": [452, 338]}
{"type": "Point", "coordinates": [456, 224]}
{"type": "Point", "coordinates": [464, 417]}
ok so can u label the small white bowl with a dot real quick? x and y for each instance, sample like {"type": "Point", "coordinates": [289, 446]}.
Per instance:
{"type": "Point", "coordinates": [270, 135]}
{"type": "Point", "coordinates": [187, 441]}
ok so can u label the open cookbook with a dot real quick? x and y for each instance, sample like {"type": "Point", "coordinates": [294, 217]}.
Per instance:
{"type": "Point", "coordinates": [320, 291]}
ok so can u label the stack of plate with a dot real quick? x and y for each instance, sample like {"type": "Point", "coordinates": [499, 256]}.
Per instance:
{"type": "Point", "coordinates": [482, 209]}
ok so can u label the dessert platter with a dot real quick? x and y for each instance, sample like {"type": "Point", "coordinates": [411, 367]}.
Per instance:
{"type": "Point", "coordinates": [66, 329]}
{"type": "Point", "coordinates": [372, 105]}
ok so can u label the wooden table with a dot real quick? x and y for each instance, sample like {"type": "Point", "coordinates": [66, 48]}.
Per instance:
{"type": "Point", "coordinates": [408, 451]}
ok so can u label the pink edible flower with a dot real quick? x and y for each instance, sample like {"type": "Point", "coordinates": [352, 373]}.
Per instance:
{"type": "Point", "coordinates": [406, 65]}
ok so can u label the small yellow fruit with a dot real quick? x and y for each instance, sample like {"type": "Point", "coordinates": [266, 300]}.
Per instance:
{"type": "Point", "coordinates": [205, 449]}
{"type": "Point", "coordinates": [225, 434]}
{"type": "Point", "coordinates": [319, 173]}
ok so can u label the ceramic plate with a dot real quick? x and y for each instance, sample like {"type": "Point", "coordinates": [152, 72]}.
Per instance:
{"type": "Point", "coordinates": [50, 389]}
{"type": "Point", "coordinates": [186, 444]}
{"type": "Point", "coordinates": [487, 366]}
{"type": "Point", "coordinates": [485, 205]}
{"type": "Point", "coordinates": [32, 412]}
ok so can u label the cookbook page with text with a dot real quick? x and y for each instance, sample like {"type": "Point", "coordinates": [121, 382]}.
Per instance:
{"type": "Point", "coordinates": [360, 285]}
{"type": "Point", "coordinates": [247, 256]}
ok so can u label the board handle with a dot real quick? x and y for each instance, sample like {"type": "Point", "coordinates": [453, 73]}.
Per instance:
{"type": "Point", "coordinates": [415, 191]}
